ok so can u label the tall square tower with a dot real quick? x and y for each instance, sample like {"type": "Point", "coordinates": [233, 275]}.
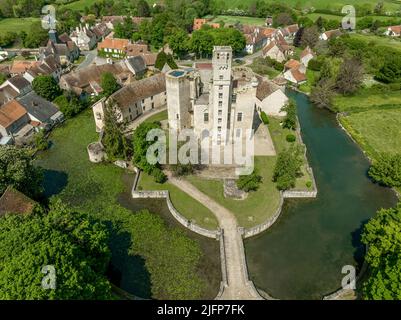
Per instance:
{"type": "Point", "coordinates": [222, 92]}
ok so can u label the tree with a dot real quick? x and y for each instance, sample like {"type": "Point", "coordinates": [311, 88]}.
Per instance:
{"type": "Point", "coordinates": [288, 167]}
{"type": "Point", "coordinates": [116, 145]}
{"type": "Point", "coordinates": [298, 37]}
{"type": "Point", "coordinates": [46, 87]}
{"type": "Point", "coordinates": [108, 83]}
{"type": "Point", "coordinates": [310, 37]}
{"type": "Point", "coordinates": [322, 94]}
{"type": "Point", "coordinates": [387, 170]}
{"type": "Point", "coordinates": [350, 76]}
{"type": "Point", "coordinates": [75, 245]}
{"type": "Point", "coordinates": [390, 71]}
{"type": "Point", "coordinates": [3, 78]}
{"type": "Point", "coordinates": [17, 170]}
{"type": "Point", "coordinates": [179, 42]}
{"type": "Point", "coordinates": [379, 8]}
{"type": "Point", "coordinates": [382, 235]}
{"type": "Point", "coordinates": [69, 104]}
{"type": "Point", "coordinates": [249, 182]}
{"type": "Point", "coordinates": [41, 142]}
{"type": "Point", "coordinates": [284, 19]}
{"type": "Point", "coordinates": [7, 39]}
{"type": "Point", "coordinates": [141, 146]}
{"type": "Point", "coordinates": [163, 58]}
{"type": "Point", "coordinates": [36, 36]}
{"type": "Point", "coordinates": [143, 8]}
{"type": "Point", "coordinates": [124, 29]}
{"type": "Point", "coordinates": [290, 121]}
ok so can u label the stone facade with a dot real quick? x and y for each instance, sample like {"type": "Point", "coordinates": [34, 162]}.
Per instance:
{"type": "Point", "coordinates": [211, 100]}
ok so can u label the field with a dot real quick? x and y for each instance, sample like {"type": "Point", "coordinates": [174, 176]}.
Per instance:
{"type": "Point", "coordinates": [376, 130]}
{"type": "Point", "coordinates": [365, 99]}
{"type": "Point", "coordinates": [242, 20]}
{"type": "Point", "coordinates": [16, 24]}
{"type": "Point", "coordinates": [79, 5]}
{"type": "Point", "coordinates": [379, 40]}
{"type": "Point", "coordinates": [314, 16]}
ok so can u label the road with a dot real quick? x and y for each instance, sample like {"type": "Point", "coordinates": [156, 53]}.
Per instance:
{"type": "Point", "coordinates": [89, 57]}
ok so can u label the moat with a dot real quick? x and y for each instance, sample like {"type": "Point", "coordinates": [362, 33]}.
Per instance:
{"type": "Point", "coordinates": [302, 254]}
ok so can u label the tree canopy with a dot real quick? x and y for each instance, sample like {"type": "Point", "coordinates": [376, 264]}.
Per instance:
{"type": "Point", "coordinates": [387, 170]}
{"type": "Point", "coordinates": [382, 235]}
{"type": "Point", "coordinates": [17, 170]}
{"type": "Point", "coordinates": [108, 83]}
{"type": "Point", "coordinates": [288, 167]}
{"type": "Point", "coordinates": [46, 87]}
{"type": "Point", "coordinates": [74, 244]}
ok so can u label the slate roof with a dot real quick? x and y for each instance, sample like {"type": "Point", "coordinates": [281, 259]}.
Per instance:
{"type": "Point", "coordinates": [137, 63]}
{"type": "Point", "coordinates": [46, 67]}
{"type": "Point", "coordinates": [19, 82]}
{"type": "Point", "coordinates": [38, 107]}
{"type": "Point", "coordinates": [13, 201]}
{"type": "Point", "coordinates": [7, 93]}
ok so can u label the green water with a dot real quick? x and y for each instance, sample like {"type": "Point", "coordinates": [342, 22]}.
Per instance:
{"type": "Point", "coordinates": [302, 254]}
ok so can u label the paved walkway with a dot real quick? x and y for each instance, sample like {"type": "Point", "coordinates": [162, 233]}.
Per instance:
{"type": "Point", "coordinates": [239, 287]}
{"type": "Point", "coordinates": [136, 122]}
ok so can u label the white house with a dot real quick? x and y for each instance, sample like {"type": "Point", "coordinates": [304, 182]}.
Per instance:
{"type": "Point", "coordinates": [307, 55]}
{"type": "Point", "coordinates": [295, 76]}
{"type": "Point", "coordinates": [393, 31]}
{"type": "Point", "coordinates": [270, 99]}
{"type": "Point", "coordinates": [330, 34]}
{"type": "Point", "coordinates": [84, 38]}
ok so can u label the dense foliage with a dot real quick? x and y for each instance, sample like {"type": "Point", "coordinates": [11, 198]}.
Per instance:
{"type": "Point", "coordinates": [69, 104]}
{"type": "Point", "coordinates": [163, 58]}
{"type": "Point", "coordinates": [382, 235]}
{"type": "Point", "coordinates": [46, 87]}
{"type": "Point", "coordinates": [249, 182]}
{"type": "Point", "coordinates": [288, 167]}
{"type": "Point", "coordinates": [264, 117]}
{"type": "Point", "coordinates": [73, 243]}
{"type": "Point", "coordinates": [17, 170]}
{"type": "Point", "coordinates": [141, 146]}
{"type": "Point", "coordinates": [387, 170]}
{"type": "Point", "coordinates": [108, 83]}
{"type": "Point", "coordinates": [116, 144]}
{"type": "Point", "coordinates": [290, 120]}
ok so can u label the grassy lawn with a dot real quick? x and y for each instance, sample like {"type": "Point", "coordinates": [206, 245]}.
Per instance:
{"type": "Point", "coordinates": [16, 24]}
{"type": "Point", "coordinates": [242, 20]}
{"type": "Point", "coordinates": [365, 99]}
{"type": "Point", "coordinates": [158, 117]}
{"type": "Point", "coordinates": [260, 66]}
{"type": "Point", "coordinates": [312, 77]}
{"type": "Point", "coordinates": [97, 190]}
{"type": "Point", "coordinates": [315, 16]}
{"type": "Point", "coordinates": [79, 5]}
{"type": "Point", "coordinates": [258, 206]}
{"type": "Point", "coordinates": [185, 204]}
{"type": "Point", "coordinates": [376, 130]}
{"type": "Point", "coordinates": [391, 42]}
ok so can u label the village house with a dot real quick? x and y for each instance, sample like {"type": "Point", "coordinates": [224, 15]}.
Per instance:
{"type": "Point", "coordinates": [257, 37]}
{"type": "Point", "coordinates": [44, 114]}
{"type": "Point", "coordinates": [62, 48]}
{"type": "Point", "coordinates": [48, 66]}
{"type": "Point", "coordinates": [84, 38]}
{"type": "Point", "coordinates": [101, 31]}
{"type": "Point", "coordinates": [17, 83]}
{"type": "Point", "coordinates": [150, 59]}
{"type": "Point", "coordinates": [111, 21]}
{"type": "Point", "coordinates": [19, 67]}
{"type": "Point", "coordinates": [294, 64]}
{"type": "Point", "coordinates": [136, 65]}
{"type": "Point", "coordinates": [86, 81]}
{"type": "Point", "coordinates": [135, 49]}
{"type": "Point", "coordinates": [134, 99]}
{"type": "Point", "coordinates": [393, 31]}
{"type": "Point", "coordinates": [7, 93]}
{"type": "Point", "coordinates": [270, 98]}
{"type": "Point", "coordinates": [295, 75]}
{"type": "Point", "coordinates": [14, 202]}
{"type": "Point", "coordinates": [277, 50]}
{"type": "Point", "coordinates": [307, 55]}
{"type": "Point", "coordinates": [3, 55]}
{"type": "Point", "coordinates": [330, 34]}
{"type": "Point", "coordinates": [113, 47]}
{"type": "Point", "coordinates": [269, 21]}
{"type": "Point", "coordinates": [14, 121]}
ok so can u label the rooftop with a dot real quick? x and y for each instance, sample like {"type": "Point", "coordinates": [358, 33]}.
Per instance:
{"type": "Point", "coordinates": [11, 112]}
{"type": "Point", "coordinates": [13, 201]}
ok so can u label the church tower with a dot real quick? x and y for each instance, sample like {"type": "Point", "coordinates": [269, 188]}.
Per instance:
{"type": "Point", "coordinates": [222, 92]}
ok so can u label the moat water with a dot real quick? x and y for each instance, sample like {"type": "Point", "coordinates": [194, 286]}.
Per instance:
{"type": "Point", "coordinates": [301, 256]}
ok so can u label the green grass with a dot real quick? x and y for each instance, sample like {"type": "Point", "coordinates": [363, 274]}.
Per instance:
{"type": "Point", "coordinates": [17, 24]}
{"type": "Point", "coordinates": [315, 16]}
{"type": "Point", "coordinates": [260, 66]}
{"type": "Point", "coordinates": [158, 117]}
{"type": "Point", "coordinates": [376, 130]}
{"type": "Point", "coordinates": [242, 20]}
{"type": "Point", "coordinates": [185, 204]}
{"type": "Point", "coordinates": [390, 42]}
{"type": "Point", "coordinates": [365, 99]}
{"type": "Point", "coordinates": [312, 77]}
{"type": "Point", "coordinates": [79, 5]}
{"type": "Point", "coordinates": [96, 190]}
{"type": "Point", "coordinates": [258, 206]}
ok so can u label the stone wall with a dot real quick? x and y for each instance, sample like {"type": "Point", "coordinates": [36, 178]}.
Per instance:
{"type": "Point", "coordinates": [224, 279]}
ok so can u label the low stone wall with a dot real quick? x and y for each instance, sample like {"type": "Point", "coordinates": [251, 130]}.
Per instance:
{"type": "Point", "coordinates": [224, 279]}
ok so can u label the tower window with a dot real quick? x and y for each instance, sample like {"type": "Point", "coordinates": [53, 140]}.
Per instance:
{"type": "Point", "coordinates": [221, 77]}
{"type": "Point", "coordinates": [220, 96]}
{"type": "Point", "coordinates": [206, 117]}
{"type": "Point", "coordinates": [220, 112]}
{"type": "Point", "coordinates": [220, 103]}
{"type": "Point", "coordinates": [177, 116]}
{"type": "Point", "coordinates": [219, 120]}
{"type": "Point", "coordinates": [220, 87]}
{"type": "Point", "coordinates": [239, 116]}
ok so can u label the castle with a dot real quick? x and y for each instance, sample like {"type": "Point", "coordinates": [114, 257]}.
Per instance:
{"type": "Point", "coordinates": [210, 100]}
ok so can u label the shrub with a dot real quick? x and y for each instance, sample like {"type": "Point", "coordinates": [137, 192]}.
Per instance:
{"type": "Point", "coordinates": [288, 168]}
{"type": "Point", "coordinates": [290, 121]}
{"type": "Point", "coordinates": [159, 175]}
{"type": "Point", "coordinates": [249, 182]}
{"type": "Point", "coordinates": [264, 117]}
{"type": "Point", "coordinates": [41, 142]}
{"type": "Point", "coordinates": [387, 170]}
{"type": "Point", "coordinates": [290, 138]}
{"type": "Point", "coordinates": [308, 184]}
{"type": "Point", "coordinates": [315, 64]}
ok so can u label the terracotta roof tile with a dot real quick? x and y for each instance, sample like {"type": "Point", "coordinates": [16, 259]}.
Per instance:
{"type": "Point", "coordinates": [11, 112]}
{"type": "Point", "coordinates": [113, 43]}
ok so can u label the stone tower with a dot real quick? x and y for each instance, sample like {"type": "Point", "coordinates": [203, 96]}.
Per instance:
{"type": "Point", "coordinates": [221, 93]}
{"type": "Point", "coordinates": [178, 99]}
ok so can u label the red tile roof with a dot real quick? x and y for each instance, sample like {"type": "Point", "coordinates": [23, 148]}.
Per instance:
{"type": "Point", "coordinates": [112, 43]}
{"type": "Point", "coordinates": [10, 112]}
